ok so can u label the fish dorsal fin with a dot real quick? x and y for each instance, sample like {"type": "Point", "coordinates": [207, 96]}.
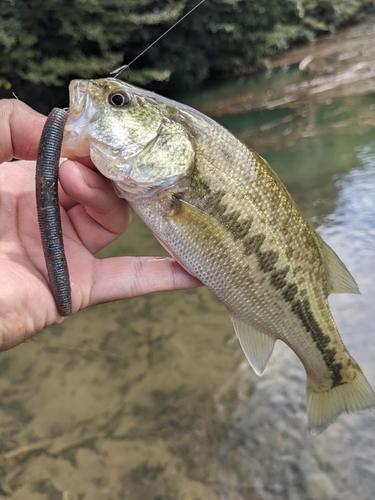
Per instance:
{"type": "Point", "coordinates": [339, 278]}
{"type": "Point", "coordinates": [256, 345]}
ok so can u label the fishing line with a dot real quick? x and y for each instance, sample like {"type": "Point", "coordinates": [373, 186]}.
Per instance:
{"type": "Point", "coordinates": [119, 70]}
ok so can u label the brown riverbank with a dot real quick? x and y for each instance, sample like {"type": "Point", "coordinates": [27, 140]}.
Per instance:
{"type": "Point", "coordinates": [336, 65]}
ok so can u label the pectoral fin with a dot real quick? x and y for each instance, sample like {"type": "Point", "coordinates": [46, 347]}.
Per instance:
{"type": "Point", "coordinates": [256, 345]}
{"type": "Point", "coordinates": [339, 278]}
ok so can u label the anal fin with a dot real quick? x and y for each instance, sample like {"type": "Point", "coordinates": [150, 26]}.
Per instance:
{"type": "Point", "coordinates": [256, 345]}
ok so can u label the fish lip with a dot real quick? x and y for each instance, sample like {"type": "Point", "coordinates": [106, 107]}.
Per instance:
{"type": "Point", "coordinates": [78, 92]}
{"type": "Point", "coordinates": [81, 110]}
{"type": "Point", "coordinates": [78, 96]}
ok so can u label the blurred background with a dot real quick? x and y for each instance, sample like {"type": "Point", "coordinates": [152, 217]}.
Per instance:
{"type": "Point", "coordinates": [45, 44]}
{"type": "Point", "coordinates": [151, 398]}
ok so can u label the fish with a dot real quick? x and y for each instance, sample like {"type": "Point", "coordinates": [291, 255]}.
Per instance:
{"type": "Point", "coordinates": [221, 211]}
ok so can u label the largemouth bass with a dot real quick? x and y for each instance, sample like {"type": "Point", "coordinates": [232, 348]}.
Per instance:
{"type": "Point", "coordinates": [222, 212]}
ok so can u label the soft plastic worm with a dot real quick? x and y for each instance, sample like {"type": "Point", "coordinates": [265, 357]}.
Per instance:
{"type": "Point", "coordinates": [48, 207]}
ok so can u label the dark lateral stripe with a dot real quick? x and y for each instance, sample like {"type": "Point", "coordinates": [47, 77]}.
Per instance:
{"type": "Point", "coordinates": [302, 309]}
{"type": "Point", "coordinates": [267, 259]}
{"type": "Point", "coordinates": [49, 209]}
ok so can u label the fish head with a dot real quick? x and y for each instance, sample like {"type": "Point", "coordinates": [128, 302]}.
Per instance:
{"type": "Point", "coordinates": [131, 135]}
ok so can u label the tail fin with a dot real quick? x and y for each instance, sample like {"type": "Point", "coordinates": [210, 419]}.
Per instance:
{"type": "Point", "coordinates": [325, 407]}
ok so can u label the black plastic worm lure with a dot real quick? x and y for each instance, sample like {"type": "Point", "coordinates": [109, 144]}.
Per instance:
{"type": "Point", "coordinates": [48, 207]}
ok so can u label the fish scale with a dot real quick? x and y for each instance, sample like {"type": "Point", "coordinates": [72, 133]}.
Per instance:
{"type": "Point", "coordinates": [224, 260]}
{"type": "Point", "coordinates": [223, 213]}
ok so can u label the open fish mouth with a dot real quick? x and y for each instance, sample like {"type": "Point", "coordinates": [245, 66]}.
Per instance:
{"type": "Point", "coordinates": [77, 96]}
{"type": "Point", "coordinates": [81, 113]}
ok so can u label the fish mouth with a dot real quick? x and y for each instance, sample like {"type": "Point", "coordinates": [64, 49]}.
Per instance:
{"type": "Point", "coordinates": [81, 111]}
{"type": "Point", "coordinates": [78, 96]}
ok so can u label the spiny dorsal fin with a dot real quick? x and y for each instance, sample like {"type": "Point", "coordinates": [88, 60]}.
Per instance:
{"type": "Point", "coordinates": [339, 278]}
{"type": "Point", "coordinates": [256, 345]}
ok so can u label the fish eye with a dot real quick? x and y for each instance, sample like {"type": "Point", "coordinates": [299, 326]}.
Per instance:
{"type": "Point", "coordinates": [119, 99]}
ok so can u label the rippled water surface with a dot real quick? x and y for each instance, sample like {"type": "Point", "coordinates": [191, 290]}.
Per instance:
{"type": "Point", "coordinates": [151, 399]}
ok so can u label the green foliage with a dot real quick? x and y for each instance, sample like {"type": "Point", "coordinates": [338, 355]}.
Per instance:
{"type": "Point", "coordinates": [50, 42]}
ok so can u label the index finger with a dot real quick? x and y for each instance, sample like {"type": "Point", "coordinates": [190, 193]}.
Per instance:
{"type": "Point", "coordinates": [20, 130]}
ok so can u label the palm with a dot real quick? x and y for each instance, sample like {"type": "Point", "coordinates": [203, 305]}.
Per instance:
{"type": "Point", "coordinates": [22, 264]}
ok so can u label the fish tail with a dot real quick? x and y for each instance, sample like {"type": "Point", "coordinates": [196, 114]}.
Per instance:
{"type": "Point", "coordinates": [324, 406]}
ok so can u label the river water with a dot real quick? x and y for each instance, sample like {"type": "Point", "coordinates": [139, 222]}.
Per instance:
{"type": "Point", "coordinates": [151, 398]}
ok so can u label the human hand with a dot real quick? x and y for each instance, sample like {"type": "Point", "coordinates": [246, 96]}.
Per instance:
{"type": "Point", "coordinates": [92, 217]}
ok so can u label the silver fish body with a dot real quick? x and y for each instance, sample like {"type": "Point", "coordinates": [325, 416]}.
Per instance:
{"type": "Point", "coordinates": [222, 212]}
